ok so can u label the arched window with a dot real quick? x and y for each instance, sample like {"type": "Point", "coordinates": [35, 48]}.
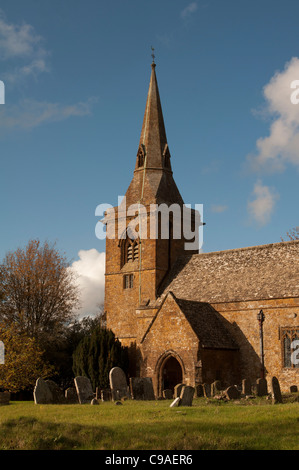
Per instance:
{"type": "Point", "coordinates": [140, 156]}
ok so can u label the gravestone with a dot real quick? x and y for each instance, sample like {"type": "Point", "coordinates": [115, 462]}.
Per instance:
{"type": "Point", "coordinates": [57, 394]}
{"type": "Point", "coordinates": [84, 389]}
{"type": "Point", "coordinates": [207, 390]}
{"type": "Point", "coordinates": [276, 393]}
{"type": "Point", "coordinates": [176, 402]}
{"type": "Point", "coordinates": [104, 394]}
{"type": "Point", "coordinates": [71, 396]}
{"type": "Point", "coordinates": [142, 388]}
{"type": "Point", "coordinates": [167, 394]}
{"type": "Point", "coordinates": [177, 390]}
{"type": "Point", "coordinates": [215, 388]}
{"type": "Point", "coordinates": [118, 383]}
{"type": "Point", "coordinates": [232, 393]}
{"type": "Point", "coordinates": [4, 398]}
{"type": "Point", "coordinates": [293, 389]}
{"type": "Point", "coordinates": [42, 394]}
{"type": "Point", "coordinates": [187, 395]}
{"type": "Point", "coordinates": [261, 387]}
{"type": "Point", "coordinates": [246, 387]}
{"type": "Point", "coordinates": [94, 401]}
{"type": "Point", "coordinates": [199, 392]}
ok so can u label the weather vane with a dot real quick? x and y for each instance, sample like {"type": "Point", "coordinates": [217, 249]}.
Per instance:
{"type": "Point", "coordinates": [153, 55]}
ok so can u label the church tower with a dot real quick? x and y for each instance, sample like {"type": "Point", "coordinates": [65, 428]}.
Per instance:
{"type": "Point", "coordinates": [136, 265]}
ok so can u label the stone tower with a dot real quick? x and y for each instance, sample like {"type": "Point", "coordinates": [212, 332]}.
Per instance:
{"type": "Point", "coordinates": [136, 264]}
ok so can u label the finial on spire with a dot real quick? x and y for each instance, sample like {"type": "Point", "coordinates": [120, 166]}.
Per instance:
{"type": "Point", "coordinates": [153, 55]}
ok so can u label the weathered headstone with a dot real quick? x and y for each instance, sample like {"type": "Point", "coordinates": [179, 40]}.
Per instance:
{"type": "Point", "coordinates": [42, 393]}
{"type": "Point", "coordinates": [275, 389]}
{"type": "Point", "coordinates": [84, 389]}
{"type": "Point", "coordinates": [71, 396]}
{"type": "Point", "coordinates": [177, 390]}
{"type": "Point", "coordinates": [4, 398]}
{"type": "Point", "coordinates": [176, 402]}
{"type": "Point", "coordinates": [207, 390]}
{"type": "Point", "coordinates": [199, 392]}
{"type": "Point", "coordinates": [104, 395]}
{"type": "Point", "coordinates": [293, 389]}
{"type": "Point", "coordinates": [94, 401]}
{"type": "Point", "coordinates": [167, 394]}
{"type": "Point", "coordinates": [118, 383]}
{"type": "Point", "coordinates": [232, 393]}
{"type": "Point", "coordinates": [215, 388]}
{"type": "Point", "coordinates": [148, 389]}
{"type": "Point", "coordinates": [142, 388]}
{"type": "Point", "coordinates": [57, 393]}
{"type": "Point", "coordinates": [246, 387]}
{"type": "Point", "coordinates": [187, 395]}
{"type": "Point", "coordinates": [261, 387]}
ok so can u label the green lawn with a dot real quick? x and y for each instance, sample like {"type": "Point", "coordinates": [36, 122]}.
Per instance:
{"type": "Point", "coordinates": [153, 425]}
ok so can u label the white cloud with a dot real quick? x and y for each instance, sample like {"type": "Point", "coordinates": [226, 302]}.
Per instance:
{"type": "Point", "coordinates": [22, 46]}
{"type": "Point", "coordinates": [281, 146]}
{"type": "Point", "coordinates": [189, 10]}
{"type": "Point", "coordinates": [218, 208]}
{"type": "Point", "coordinates": [29, 113]}
{"type": "Point", "coordinates": [90, 273]}
{"type": "Point", "coordinates": [263, 203]}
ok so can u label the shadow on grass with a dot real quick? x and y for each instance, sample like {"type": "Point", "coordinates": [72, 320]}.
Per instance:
{"type": "Point", "coordinates": [29, 433]}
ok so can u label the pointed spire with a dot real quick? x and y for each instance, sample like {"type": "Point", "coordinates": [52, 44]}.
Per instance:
{"type": "Point", "coordinates": [153, 142]}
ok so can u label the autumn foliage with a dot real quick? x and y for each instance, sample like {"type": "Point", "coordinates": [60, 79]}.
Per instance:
{"type": "Point", "coordinates": [38, 293]}
{"type": "Point", "coordinates": [23, 360]}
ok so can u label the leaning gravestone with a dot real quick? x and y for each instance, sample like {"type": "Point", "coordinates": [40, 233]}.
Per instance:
{"type": "Point", "coordinates": [232, 393]}
{"type": "Point", "coordinates": [187, 395]}
{"type": "Point", "coordinates": [276, 393]}
{"type": "Point", "coordinates": [42, 393]}
{"type": "Point", "coordinates": [261, 387]}
{"type": "Point", "coordinates": [118, 383]}
{"type": "Point", "coordinates": [71, 396]}
{"type": "Point", "coordinates": [142, 388]}
{"type": "Point", "coordinates": [207, 390]}
{"type": "Point", "coordinates": [176, 402]}
{"type": "Point", "coordinates": [215, 388]}
{"type": "Point", "coordinates": [84, 389]}
{"type": "Point", "coordinates": [177, 390]}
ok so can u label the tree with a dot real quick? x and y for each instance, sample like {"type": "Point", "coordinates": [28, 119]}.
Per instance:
{"type": "Point", "coordinates": [97, 353]}
{"type": "Point", "coordinates": [23, 360]}
{"type": "Point", "coordinates": [38, 293]}
{"type": "Point", "coordinates": [293, 234]}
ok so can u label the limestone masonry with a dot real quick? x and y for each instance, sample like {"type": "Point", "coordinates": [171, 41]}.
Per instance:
{"type": "Point", "coordinates": [191, 317]}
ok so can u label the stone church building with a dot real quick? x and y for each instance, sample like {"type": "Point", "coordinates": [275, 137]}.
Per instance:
{"type": "Point", "coordinates": [193, 317]}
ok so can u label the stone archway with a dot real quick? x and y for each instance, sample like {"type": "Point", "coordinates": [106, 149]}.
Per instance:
{"type": "Point", "coordinates": [170, 372]}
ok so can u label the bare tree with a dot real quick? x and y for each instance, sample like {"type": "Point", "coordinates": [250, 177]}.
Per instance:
{"type": "Point", "coordinates": [293, 234]}
{"type": "Point", "coordinates": [38, 292]}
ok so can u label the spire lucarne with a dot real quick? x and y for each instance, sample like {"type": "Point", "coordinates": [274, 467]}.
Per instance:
{"type": "Point", "coordinates": [152, 181]}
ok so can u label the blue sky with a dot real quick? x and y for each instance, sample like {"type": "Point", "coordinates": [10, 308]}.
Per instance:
{"type": "Point", "coordinates": [76, 77]}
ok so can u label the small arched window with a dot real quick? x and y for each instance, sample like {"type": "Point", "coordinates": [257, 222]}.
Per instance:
{"type": "Point", "coordinates": [129, 250]}
{"type": "Point", "coordinates": [141, 156]}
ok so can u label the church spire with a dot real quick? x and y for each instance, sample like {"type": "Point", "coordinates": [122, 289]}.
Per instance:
{"type": "Point", "coordinates": [153, 149]}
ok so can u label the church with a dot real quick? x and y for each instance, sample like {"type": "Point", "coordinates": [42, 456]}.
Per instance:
{"type": "Point", "coordinates": [191, 317]}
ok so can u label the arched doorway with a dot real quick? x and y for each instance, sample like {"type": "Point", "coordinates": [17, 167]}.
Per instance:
{"type": "Point", "coordinates": [171, 373]}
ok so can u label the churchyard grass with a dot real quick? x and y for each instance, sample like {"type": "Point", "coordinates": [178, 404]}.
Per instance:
{"type": "Point", "coordinates": [152, 425]}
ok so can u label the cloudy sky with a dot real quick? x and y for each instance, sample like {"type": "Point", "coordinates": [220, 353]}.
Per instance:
{"type": "Point", "coordinates": [76, 77]}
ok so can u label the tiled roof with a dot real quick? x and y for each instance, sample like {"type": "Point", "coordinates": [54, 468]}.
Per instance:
{"type": "Point", "coordinates": [254, 273]}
